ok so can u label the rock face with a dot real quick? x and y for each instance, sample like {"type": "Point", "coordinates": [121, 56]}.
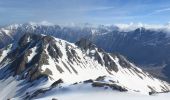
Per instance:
{"type": "Point", "coordinates": [38, 60]}
{"type": "Point", "coordinates": [85, 45]}
{"type": "Point", "coordinates": [109, 85]}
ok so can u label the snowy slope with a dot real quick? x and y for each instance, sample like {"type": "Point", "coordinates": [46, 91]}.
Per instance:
{"type": "Point", "coordinates": [103, 94]}
{"type": "Point", "coordinates": [36, 62]}
{"type": "Point", "coordinates": [152, 41]}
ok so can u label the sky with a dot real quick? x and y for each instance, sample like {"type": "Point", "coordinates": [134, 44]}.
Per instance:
{"type": "Point", "coordinates": [85, 11]}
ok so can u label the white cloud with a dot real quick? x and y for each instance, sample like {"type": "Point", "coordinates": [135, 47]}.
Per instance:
{"type": "Point", "coordinates": [132, 26]}
{"type": "Point", "coordinates": [46, 23]}
{"type": "Point", "coordinates": [159, 11]}
{"type": "Point", "coordinates": [162, 10]}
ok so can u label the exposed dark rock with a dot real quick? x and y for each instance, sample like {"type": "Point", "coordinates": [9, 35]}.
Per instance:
{"type": "Point", "coordinates": [72, 55]}
{"type": "Point", "coordinates": [34, 74]}
{"type": "Point", "coordinates": [113, 81]}
{"type": "Point", "coordinates": [48, 40]}
{"type": "Point", "coordinates": [69, 55]}
{"type": "Point", "coordinates": [13, 54]}
{"type": "Point", "coordinates": [24, 40]}
{"type": "Point", "coordinates": [1, 51]}
{"type": "Point", "coordinates": [98, 58]}
{"type": "Point", "coordinates": [38, 60]}
{"type": "Point", "coordinates": [73, 68]}
{"type": "Point", "coordinates": [73, 52]}
{"type": "Point", "coordinates": [36, 93]}
{"type": "Point", "coordinates": [42, 90]}
{"type": "Point", "coordinates": [88, 81]}
{"type": "Point", "coordinates": [18, 56]}
{"type": "Point", "coordinates": [123, 62]}
{"type": "Point", "coordinates": [56, 83]}
{"type": "Point", "coordinates": [59, 69]}
{"type": "Point", "coordinates": [54, 99]}
{"type": "Point", "coordinates": [43, 59]}
{"type": "Point", "coordinates": [19, 64]}
{"type": "Point", "coordinates": [109, 63]}
{"type": "Point", "coordinates": [152, 93]}
{"type": "Point", "coordinates": [85, 44]}
{"type": "Point", "coordinates": [47, 72]}
{"type": "Point", "coordinates": [113, 86]}
{"type": "Point", "coordinates": [100, 78]}
{"type": "Point", "coordinates": [100, 50]}
{"type": "Point", "coordinates": [54, 51]}
{"type": "Point", "coordinates": [75, 83]}
{"type": "Point", "coordinates": [152, 90]}
{"type": "Point", "coordinates": [66, 67]}
{"type": "Point", "coordinates": [27, 38]}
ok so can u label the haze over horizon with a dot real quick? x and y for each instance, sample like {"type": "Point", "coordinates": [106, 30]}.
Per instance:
{"type": "Point", "coordinates": [85, 11]}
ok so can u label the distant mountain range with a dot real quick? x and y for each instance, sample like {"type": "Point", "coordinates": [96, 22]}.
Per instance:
{"type": "Point", "coordinates": [36, 65]}
{"type": "Point", "coordinates": [145, 45]}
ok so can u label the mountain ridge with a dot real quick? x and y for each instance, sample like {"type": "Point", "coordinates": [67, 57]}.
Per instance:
{"type": "Point", "coordinates": [38, 61]}
{"type": "Point", "coordinates": [152, 44]}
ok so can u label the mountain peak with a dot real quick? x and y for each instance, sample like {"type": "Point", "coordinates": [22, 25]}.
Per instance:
{"type": "Point", "coordinates": [85, 44]}
{"type": "Point", "coordinates": [51, 59]}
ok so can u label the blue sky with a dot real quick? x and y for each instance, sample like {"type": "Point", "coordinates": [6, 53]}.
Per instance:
{"type": "Point", "coordinates": [82, 11]}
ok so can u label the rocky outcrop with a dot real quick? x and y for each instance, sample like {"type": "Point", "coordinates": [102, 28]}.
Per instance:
{"type": "Point", "coordinates": [85, 44]}
{"type": "Point", "coordinates": [112, 86]}
{"type": "Point", "coordinates": [56, 83]}
{"type": "Point", "coordinates": [110, 63]}
{"type": "Point", "coordinates": [19, 56]}
{"type": "Point", "coordinates": [41, 91]}
{"type": "Point", "coordinates": [106, 60]}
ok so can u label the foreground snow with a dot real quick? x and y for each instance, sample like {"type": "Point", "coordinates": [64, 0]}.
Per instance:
{"type": "Point", "coordinates": [104, 95]}
{"type": "Point", "coordinates": [85, 92]}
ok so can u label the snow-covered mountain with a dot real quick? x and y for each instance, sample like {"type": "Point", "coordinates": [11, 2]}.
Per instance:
{"type": "Point", "coordinates": [152, 41]}
{"type": "Point", "coordinates": [38, 64]}
{"type": "Point", "coordinates": [12, 33]}
{"type": "Point", "coordinates": [144, 47]}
